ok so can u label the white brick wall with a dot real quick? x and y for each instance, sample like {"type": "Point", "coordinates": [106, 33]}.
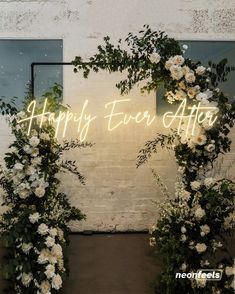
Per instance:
{"type": "Point", "coordinates": [116, 196]}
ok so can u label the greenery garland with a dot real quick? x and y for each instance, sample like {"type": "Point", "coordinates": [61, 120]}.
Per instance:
{"type": "Point", "coordinates": [34, 226]}
{"type": "Point", "coordinates": [192, 225]}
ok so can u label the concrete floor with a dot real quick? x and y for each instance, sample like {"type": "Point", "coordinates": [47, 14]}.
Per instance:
{"type": "Point", "coordinates": [110, 264]}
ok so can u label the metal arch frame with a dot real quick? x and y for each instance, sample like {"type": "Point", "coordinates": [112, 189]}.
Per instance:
{"type": "Point", "coordinates": [33, 64]}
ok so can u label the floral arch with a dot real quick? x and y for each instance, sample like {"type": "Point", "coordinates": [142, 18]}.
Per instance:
{"type": "Point", "coordinates": [191, 226]}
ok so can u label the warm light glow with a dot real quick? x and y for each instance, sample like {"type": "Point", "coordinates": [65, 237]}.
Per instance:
{"type": "Point", "coordinates": [115, 118]}
{"type": "Point", "coordinates": [61, 120]}
{"type": "Point", "coordinates": [83, 121]}
{"type": "Point", "coordinates": [124, 119]}
{"type": "Point", "coordinates": [198, 114]}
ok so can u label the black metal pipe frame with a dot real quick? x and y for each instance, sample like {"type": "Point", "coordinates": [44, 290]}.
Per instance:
{"type": "Point", "coordinates": [33, 64]}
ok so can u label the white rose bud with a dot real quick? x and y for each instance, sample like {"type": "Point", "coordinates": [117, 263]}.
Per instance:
{"type": "Point", "coordinates": [154, 58]}
{"type": "Point", "coordinates": [200, 70]}
{"type": "Point", "coordinates": [56, 282]}
{"type": "Point", "coordinates": [34, 141]}
{"type": "Point", "coordinates": [229, 270]}
{"type": "Point", "coordinates": [33, 218]}
{"type": "Point", "coordinates": [26, 279]}
{"type": "Point", "coordinates": [201, 247]}
{"type": "Point", "coordinates": [43, 229]}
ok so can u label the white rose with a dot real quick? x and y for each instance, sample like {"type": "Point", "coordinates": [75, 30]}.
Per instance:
{"type": "Point", "coordinates": [199, 139]}
{"type": "Point", "coordinates": [183, 230]}
{"type": "Point", "coordinates": [49, 241]}
{"type": "Point", "coordinates": [36, 161]}
{"type": "Point", "coordinates": [190, 77]}
{"type": "Point", "coordinates": [16, 180]}
{"type": "Point", "coordinates": [192, 91]}
{"type": "Point", "coordinates": [176, 72]}
{"type": "Point", "coordinates": [50, 271]}
{"type": "Point", "coordinates": [186, 69]}
{"type": "Point", "coordinates": [185, 194]}
{"type": "Point", "coordinates": [182, 85]}
{"type": "Point", "coordinates": [30, 170]}
{"type": "Point", "coordinates": [199, 213]}
{"type": "Point", "coordinates": [43, 229]}
{"type": "Point", "coordinates": [44, 256]}
{"type": "Point", "coordinates": [53, 232]}
{"type": "Point", "coordinates": [57, 250]}
{"type": "Point", "coordinates": [26, 279]}
{"type": "Point", "coordinates": [210, 147]}
{"type": "Point", "coordinates": [45, 136]}
{"type": "Point", "coordinates": [23, 194]}
{"type": "Point", "coordinates": [34, 152]}
{"type": "Point", "coordinates": [195, 185]}
{"type": "Point", "coordinates": [201, 96]}
{"type": "Point", "coordinates": [56, 282]}
{"type": "Point", "coordinates": [52, 259]}
{"type": "Point", "coordinates": [18, 166]}
{"type": "Point", "coordinates": [154, 57]}
{"type": "Point", "coordinates": [209, 182]}
{"type": "Point", "coordinates": [45, 287]}
{"type": "Point", "coordinates": [185, 47]}
{"type": "Point", "coordinates": [229, 270]}
{"type": "Point", "coordinates": [34, 217]}
{"type": "Point", "coordinates": [200, 70]}
{"type": "Point", "coordinates": [201, 247]}
{"type": "Point", "coordinates": [27, 149]}
{"type": "Point", "coordinates": [34, 141]}
{"type": "Point", "coordinates": [178, 59]}
{"type": "Point", "coordinates": [205, 229]}
{"type": "Point", "coordinates": [201, 282]}
{"type": "Point", "coordinates": [40, 192]}
{"type": "Point", "coordinates": [180, 95]}
{"type": "Point", "coordinates": [26, 247]}
{"type": "Point", "coordinates": [169, 63]}
{"type": "Point", "coordinates": [170, 97]}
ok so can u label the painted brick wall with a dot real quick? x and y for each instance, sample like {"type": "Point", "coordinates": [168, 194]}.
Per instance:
{"type": "Point", "coordinates": [117, 196]}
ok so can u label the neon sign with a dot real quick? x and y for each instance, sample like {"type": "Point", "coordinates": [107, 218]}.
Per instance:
{"type": "Point", "coordinates": [190, 115]}
{"type": "Point", "coordinates": [197, 115]}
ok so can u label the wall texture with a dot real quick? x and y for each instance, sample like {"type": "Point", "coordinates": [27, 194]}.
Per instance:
{"type": "Point", "coordinates": [117, 196]}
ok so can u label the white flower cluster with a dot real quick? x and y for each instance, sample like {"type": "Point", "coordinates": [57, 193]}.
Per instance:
{"type": "Point", "coordinates": [26, 173]}
{"type": "Point", "coordinates": [154, 58]}
{"type": "Point", "coordinates": [51, 257]}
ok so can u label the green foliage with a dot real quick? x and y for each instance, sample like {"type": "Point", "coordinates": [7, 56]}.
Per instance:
{"type": "Point", "coordinates": [152, 59]}
{"type": "Point", "coordinates": [34, 227]}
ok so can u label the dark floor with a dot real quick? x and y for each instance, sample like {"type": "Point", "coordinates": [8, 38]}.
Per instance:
{"type": "Point", "coordinates": [110, 264]}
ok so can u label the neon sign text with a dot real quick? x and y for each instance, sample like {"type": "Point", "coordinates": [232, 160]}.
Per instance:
{"type": "Point", "coordinates": [184, 115]}
{"type": "Point", "coordinates": [190, 116]}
